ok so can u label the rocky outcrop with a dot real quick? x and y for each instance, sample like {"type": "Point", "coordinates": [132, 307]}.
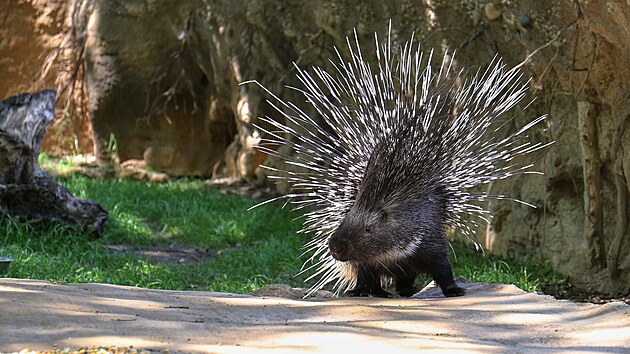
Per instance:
{"type": "Point", "coordinates": [582, 81]}
{"type": "Point", "coordinates": [162, 81]}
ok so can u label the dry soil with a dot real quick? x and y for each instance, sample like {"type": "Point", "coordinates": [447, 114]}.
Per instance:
{"type": "Point", "coordinates": [491, 318]}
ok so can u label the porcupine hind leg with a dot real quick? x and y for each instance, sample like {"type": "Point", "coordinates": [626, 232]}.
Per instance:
{"type": "Point", "coordinates": [443, 275]}
{"type": "Point", "coordinates": [434, 260]}
{"type": "Point", "coordinates": [405, 283]}
{"type": "Point", "coordinates": [368, 282]}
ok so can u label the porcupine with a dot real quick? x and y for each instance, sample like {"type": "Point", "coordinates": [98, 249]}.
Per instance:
{"type": "Point", "coordinates": [389, 169]}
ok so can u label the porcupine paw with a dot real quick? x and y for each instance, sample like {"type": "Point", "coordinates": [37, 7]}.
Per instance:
{"type": "Point", "coordinates": [363, 291]}
{"type": "Point", "coordinates": [408, 292]}
{"type": "Point", "coordinates": [453, 290]}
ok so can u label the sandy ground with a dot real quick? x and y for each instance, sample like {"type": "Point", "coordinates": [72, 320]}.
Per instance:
{"type": "Point", "coordinates": [491, 318]}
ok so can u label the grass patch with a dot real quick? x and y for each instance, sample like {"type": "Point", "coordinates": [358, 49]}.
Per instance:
{"type": "Point", "coordinates": [251, 248]}
{"type": "Point", "coordinates": [530, 276]}
{"type": "Point", "coordinates": [184, 211]}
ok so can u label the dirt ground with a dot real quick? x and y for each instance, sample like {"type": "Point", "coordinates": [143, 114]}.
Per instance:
{"type": "Point", "coordinates": [491, 318]}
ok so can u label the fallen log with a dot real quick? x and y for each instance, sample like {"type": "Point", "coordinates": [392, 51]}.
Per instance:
{"type": "Point", "coordinates": [26, 192]}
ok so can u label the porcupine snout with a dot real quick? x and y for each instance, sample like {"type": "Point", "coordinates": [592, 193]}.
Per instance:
{"type": "Point", "coordinates": [339, 246]}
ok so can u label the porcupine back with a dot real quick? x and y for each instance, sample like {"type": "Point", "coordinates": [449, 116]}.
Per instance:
{"type": "Point", "coordinates": [390, 133]}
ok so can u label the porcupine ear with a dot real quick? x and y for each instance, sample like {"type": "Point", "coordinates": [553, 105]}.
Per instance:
{"type": "Point", "coordinates": [383, 215]}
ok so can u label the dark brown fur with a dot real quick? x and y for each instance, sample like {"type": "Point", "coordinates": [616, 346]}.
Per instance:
{"type": "Point", "coordinates": [373, 240]}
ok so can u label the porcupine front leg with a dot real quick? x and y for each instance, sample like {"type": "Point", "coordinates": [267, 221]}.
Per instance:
{"type": "Point", "coordinates": [368, 282]}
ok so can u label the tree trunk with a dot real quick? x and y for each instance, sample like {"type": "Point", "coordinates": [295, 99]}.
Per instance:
{"type": "Point", "coordinates": [26, 192]}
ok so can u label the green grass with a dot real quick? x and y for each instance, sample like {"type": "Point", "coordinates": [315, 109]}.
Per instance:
{"type": "Point", "coordinates": [252, 248]}
{"type": "Point", "coordinates": [530, 276]}
{"type": "Point", "coordinates": [256, 247]}
{"type": "Point", "coordinates": [184, 211]}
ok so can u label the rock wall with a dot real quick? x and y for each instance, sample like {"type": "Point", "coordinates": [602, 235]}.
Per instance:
{"type": "Point", "coordinates": [162, 80]}
{"type": "Point", "coordinates": [33, 54]}
{"type": "Point", "coordinates": [159, 85]}
{"type": "Point", "coordinates": [29, 30]}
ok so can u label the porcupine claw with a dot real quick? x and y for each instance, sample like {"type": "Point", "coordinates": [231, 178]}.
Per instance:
{"type": "Point", "coordinates": [369, 292]}
{"type": "Point", "coordinates": [453, 290]}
